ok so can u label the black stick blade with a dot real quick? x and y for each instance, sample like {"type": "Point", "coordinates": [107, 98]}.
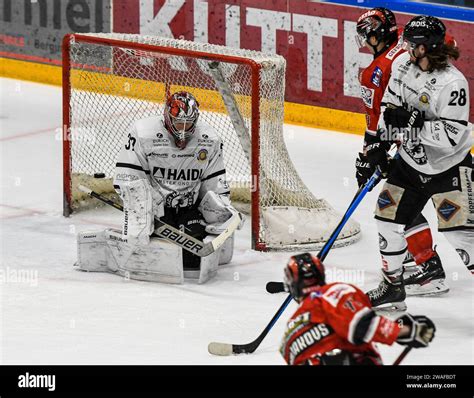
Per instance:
{"type": "Point", "coordinates": [275, 287]}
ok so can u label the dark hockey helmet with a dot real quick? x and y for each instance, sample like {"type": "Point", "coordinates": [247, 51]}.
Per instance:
{"type": "Point", "coordinates": [304, 274]}
{"type": "Point", "coordinates": [180, 116]}
{"type": "Point", "coordinates": [378, 22]}
{"type": "Point", "coordinates": [426, 30]}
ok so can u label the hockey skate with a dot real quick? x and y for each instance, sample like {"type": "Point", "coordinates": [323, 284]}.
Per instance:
{"type": "Point", "coordinates": [409, 265]}
{"type": "Point", "coordinates": [390, 294]}
{"type": "Point", "coordinates": [428, 280]}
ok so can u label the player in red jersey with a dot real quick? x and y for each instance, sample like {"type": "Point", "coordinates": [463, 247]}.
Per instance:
{"type": "Point", "coordinates": [377, 30]}
{"type": "Point", "coordinates": [335, 323]}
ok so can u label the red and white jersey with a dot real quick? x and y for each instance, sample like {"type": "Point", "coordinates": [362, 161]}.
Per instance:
{"type": "Point", "coordinates": [373, 82]}
{"type": "Point", "coordinates": [336, 316]}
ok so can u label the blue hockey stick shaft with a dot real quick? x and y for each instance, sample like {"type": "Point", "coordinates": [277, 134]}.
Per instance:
{"type": "Point", "coordinates": [251, 347]}
{"type": "Point", "coordinates": [327, 246]}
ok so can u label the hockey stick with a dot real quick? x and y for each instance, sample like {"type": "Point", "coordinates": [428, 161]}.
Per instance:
{"type": "Point", "coordinates": [402, 356]}
{"type": "Point", "coordinates": [279, 287]}
{"type": "Point", "coordinates": [172, 234]}
{"type": "Point", "coordinates": [229, 349]}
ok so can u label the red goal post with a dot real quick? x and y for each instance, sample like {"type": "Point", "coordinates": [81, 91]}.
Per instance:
{"type": "Point", "coordinates": [111, 80]}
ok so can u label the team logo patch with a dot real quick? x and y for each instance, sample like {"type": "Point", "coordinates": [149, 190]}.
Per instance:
{"type": "Point", "coordinates": [424, 99]}
{"type": "Point", "coordinates": [367, 95]}
{"type": "Point", "coordinates": [202, 155]}
{"type": "Point", "coordinates": [464, 256]}
{"type": "Point", "coordinates": [447, 209]}
{"type": "Point", "coordinates": [376, 76]}
{"type": "Point", "coordinates": [385, 200]}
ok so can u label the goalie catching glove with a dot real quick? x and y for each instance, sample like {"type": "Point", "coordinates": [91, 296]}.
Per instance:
{"type": "Point", "coordinates": [218, 213]}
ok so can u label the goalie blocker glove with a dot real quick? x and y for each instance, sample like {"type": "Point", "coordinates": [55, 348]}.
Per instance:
{"type": "Point", "coordinates": [421, 331]}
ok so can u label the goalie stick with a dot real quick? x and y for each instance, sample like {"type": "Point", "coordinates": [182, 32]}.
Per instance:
{"type": "Point", "coordinates": [172, 234]}
{"type": "Point", "coordinates": [225, 349]}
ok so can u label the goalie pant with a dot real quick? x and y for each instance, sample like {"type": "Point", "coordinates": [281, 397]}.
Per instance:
{"type": "Point", "coordinates": [338, 316]}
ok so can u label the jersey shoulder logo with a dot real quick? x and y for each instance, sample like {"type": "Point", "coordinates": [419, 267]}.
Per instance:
{"type": "Point", "coordinates": [336, 292]}
{"type": "Point", "coordinates": [367, 95]}
{"type": "Point", "coordinates": [394, 51]}
{"type": "Point", "coordinates": [376, 76]}
{"type": "Point", "coordinates": [202, 155]}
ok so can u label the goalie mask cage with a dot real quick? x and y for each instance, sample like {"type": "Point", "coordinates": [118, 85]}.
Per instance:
{"type": "Point", "coordinates": [111, 80]}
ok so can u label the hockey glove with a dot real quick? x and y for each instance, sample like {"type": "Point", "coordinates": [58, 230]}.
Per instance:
{"type": "Point", "coordinates": [377, 156]}
{"type": "Point", "coordinates": [421, 330]}
{"type": "Point", "coordinates": [363, 169]}
{"type": "Point", "coordinates": [398, 120]}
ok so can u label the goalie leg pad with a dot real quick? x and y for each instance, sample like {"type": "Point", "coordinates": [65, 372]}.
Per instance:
{"type": "Point", "coordinates": [106, 251]}
{"type": "Point", "coordinates": [207, 268]}
{"type": "Point", "coordinates": [160, 261]}
{"type": "Point", "coordinates": [91, 252]}
{"type": "Point", "coordinates": [138, 221]}
{"type": "Point", "coordinates": [226, 251]}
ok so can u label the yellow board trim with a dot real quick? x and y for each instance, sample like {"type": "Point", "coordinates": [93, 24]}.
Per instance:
{"type": "Point", "coordinates": [304, 115]}
{"type": "Point", "coordinates": [31, 71]}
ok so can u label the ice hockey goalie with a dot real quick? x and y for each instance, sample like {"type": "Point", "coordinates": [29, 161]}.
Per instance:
{"type": "Point", "coordinates": [170, 168]}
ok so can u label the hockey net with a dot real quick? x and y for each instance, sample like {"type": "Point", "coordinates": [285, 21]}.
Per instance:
{"type": "Point", "coordinates": [111, 80]}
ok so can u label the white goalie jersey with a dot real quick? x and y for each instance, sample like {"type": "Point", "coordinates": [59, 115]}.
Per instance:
{"type": "Point", "coordinates": [181, 176]}
{"type": "Point", "coordinates": [443, 99]}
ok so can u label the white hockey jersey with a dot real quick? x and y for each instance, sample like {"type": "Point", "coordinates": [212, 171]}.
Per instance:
{"type": "Point", "coordinates": [443, 99]}
{"type": "Point", "coordinates": [182, 176]}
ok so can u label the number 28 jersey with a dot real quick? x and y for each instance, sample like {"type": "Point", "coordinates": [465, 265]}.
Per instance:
{"type": "Point", "coordinates": [443, 98]}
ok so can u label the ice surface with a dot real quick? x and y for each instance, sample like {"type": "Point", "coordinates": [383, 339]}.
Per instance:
{"type": "Point", "coordinates": [50, 313]}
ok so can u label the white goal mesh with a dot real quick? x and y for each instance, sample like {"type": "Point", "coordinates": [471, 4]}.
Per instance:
{"type": "Point", "coordinates": [111, 80]}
